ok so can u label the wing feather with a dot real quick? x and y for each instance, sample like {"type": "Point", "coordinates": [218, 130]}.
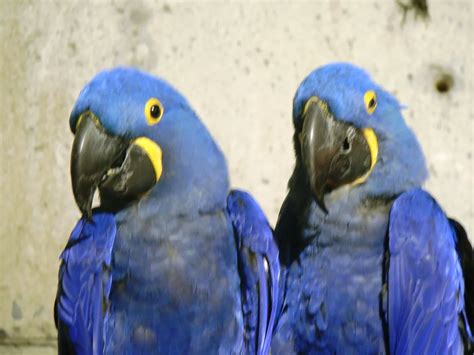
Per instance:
{"type": "Point", "coordinates": [425, 279]}
{"type": "Point", "coordinates": [84, 286]}
{"type": "Point", "coordinates": [259, 270]}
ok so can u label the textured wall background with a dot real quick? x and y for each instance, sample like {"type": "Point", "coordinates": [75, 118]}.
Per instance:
{"type": "Point", "coordinates": [239, 65]}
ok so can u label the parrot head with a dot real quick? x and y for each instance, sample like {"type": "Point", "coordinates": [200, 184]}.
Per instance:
{"type": "Point", "coordinates": [134, 133]}
{"type": "Point", "coordinates": [350, 132]}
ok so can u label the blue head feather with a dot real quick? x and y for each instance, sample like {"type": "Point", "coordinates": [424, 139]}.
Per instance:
{"type": "Point", "coordinates": [194, 169]}
{"type": "Point", "coordinates": [400, 164]}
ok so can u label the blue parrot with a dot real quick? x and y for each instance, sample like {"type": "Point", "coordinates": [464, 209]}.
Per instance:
{"type": "Point", "coordinates": [370, 262]}
{"type": "Point", "coordinates": [170, 262]}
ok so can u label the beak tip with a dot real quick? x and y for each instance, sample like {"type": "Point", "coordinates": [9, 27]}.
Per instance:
{"type": "Point", "coordinates": [87, 213]}
{"type": "Point", "coordinates": [323, 207]}
{"type": "Point", "coordinates": [319, 198]}
{"type": "Point", "coordinates": [83, 199]}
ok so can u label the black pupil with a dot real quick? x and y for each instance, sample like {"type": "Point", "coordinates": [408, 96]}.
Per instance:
{"type": "Point", "coordinates": [155, 111]}
{"type": "Point", "coordinates": [372, 103]}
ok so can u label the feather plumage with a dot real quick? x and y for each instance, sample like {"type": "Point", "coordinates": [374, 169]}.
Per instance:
{"type": "Point", "coordinates": [425, 279]}
{"type": "Point", "coordinates": [259, 269]}
{"type": "Point", "coordinates": [84, 286]}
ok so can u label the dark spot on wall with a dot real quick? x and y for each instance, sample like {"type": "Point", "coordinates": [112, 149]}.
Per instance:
{"type": "Point", "coordinates": [3, 334]}
{"type": "Point", "coordinates": [38, 312]}
{"type": "Point", "coordinates": [418, 7]}
{"type": "Point", "coordinates": [469, 155]}
{"type": "Point", "coordinates": [139, 15]}
{"type": "Point", "coordinates": [443, 82]}
{"type": "Point", "coordinates": [16, 311]}
{"type": "Point", "coordinates": [350, 43]}
{"type": "Point", "coordinates": [410, 76]}
{"type": "Point", "coordinates": [72, 46]}
{"type": "Point", "coordinates": [265, 181]}
{"type": "Point", "coordinates": [39, 147]}
{"type": "Point", "coordinates": [167, 8]}
{"type": "Point", "coordinates": [266, 62]}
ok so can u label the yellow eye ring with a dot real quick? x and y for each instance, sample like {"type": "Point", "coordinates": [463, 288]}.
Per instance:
{"type": "Point", "coordinates": [153, 111]}
{"type": "Point", "coordinates": [370, 100]}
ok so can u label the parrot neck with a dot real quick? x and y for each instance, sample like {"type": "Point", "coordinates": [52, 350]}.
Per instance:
{"type": "Point", "coordinates": [400, 166]}
{"type": "Point", "coordinates": [354, 217]}
{"type": "Point", "coordinates": [352, 220]}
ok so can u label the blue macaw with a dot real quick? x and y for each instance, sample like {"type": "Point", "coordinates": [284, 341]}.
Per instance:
{"type": "Point", "coordinates": [170, 262]}
{"type": "Point", "coordinates": [370, 262]}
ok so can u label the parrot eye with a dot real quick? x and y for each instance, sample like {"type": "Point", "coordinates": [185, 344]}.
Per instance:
{"type": "Point", "coordinates": [153, 111]}
{"type": "Point", "coordinates": [370, 100]}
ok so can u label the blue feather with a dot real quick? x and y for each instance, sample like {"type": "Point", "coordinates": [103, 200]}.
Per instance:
{"type": "Point", "coordinates": [426, 285]}
{"type": "Point", "coordinates": [84, 283]}
{"type": "Point", "coordinates": [260, 287]}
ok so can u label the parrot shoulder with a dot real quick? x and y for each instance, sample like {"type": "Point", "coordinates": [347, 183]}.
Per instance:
{"type": "Point", "coordinates": [426, 287]}
{"type": "Point", "coordinates": [84, 285]}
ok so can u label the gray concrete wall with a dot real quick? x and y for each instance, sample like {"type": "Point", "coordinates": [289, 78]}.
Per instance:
{"type": "Point", "coordinates": [239, 65]}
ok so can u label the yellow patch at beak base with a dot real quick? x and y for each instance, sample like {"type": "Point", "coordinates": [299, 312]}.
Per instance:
{"type": "Point", "coordinates": [153, 151]}
{"type": "Point", "coordinates": [373, 144]}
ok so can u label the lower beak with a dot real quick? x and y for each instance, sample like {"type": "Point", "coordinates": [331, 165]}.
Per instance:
{"type": "Point", "coordinates": [121, 169]}
{"type": "Point", "coordinates": [334, 153]}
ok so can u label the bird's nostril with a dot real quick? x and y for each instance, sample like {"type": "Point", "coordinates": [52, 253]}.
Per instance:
{"type": "Point", "coordinates": [346, 146]}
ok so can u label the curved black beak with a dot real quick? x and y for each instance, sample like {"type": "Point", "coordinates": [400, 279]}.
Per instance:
{"type": "Point", "coordinates": [334, 153]}
{"type": "Point", "coordinates": [121, 169]}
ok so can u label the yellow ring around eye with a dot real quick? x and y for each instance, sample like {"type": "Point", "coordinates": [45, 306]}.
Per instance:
{"type": "Point", "coordinates": [153, 111]}
{"type": "Point", "coordinates": [370, 100]}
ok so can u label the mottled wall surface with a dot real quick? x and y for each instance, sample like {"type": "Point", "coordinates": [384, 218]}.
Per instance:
{"type": "Point", "coordinates": [239, 65]}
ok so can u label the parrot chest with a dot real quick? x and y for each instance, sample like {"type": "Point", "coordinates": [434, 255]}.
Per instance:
{"type": "Point", "coordinates": [175, 286]}
{"type": "Point", "coordinates": [335, 298]}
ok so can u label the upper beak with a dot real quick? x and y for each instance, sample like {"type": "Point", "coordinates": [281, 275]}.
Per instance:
{"type": "Point", "coordinates": [334, 153]}
{"type": "Point", "coordinates": [121, 169]}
